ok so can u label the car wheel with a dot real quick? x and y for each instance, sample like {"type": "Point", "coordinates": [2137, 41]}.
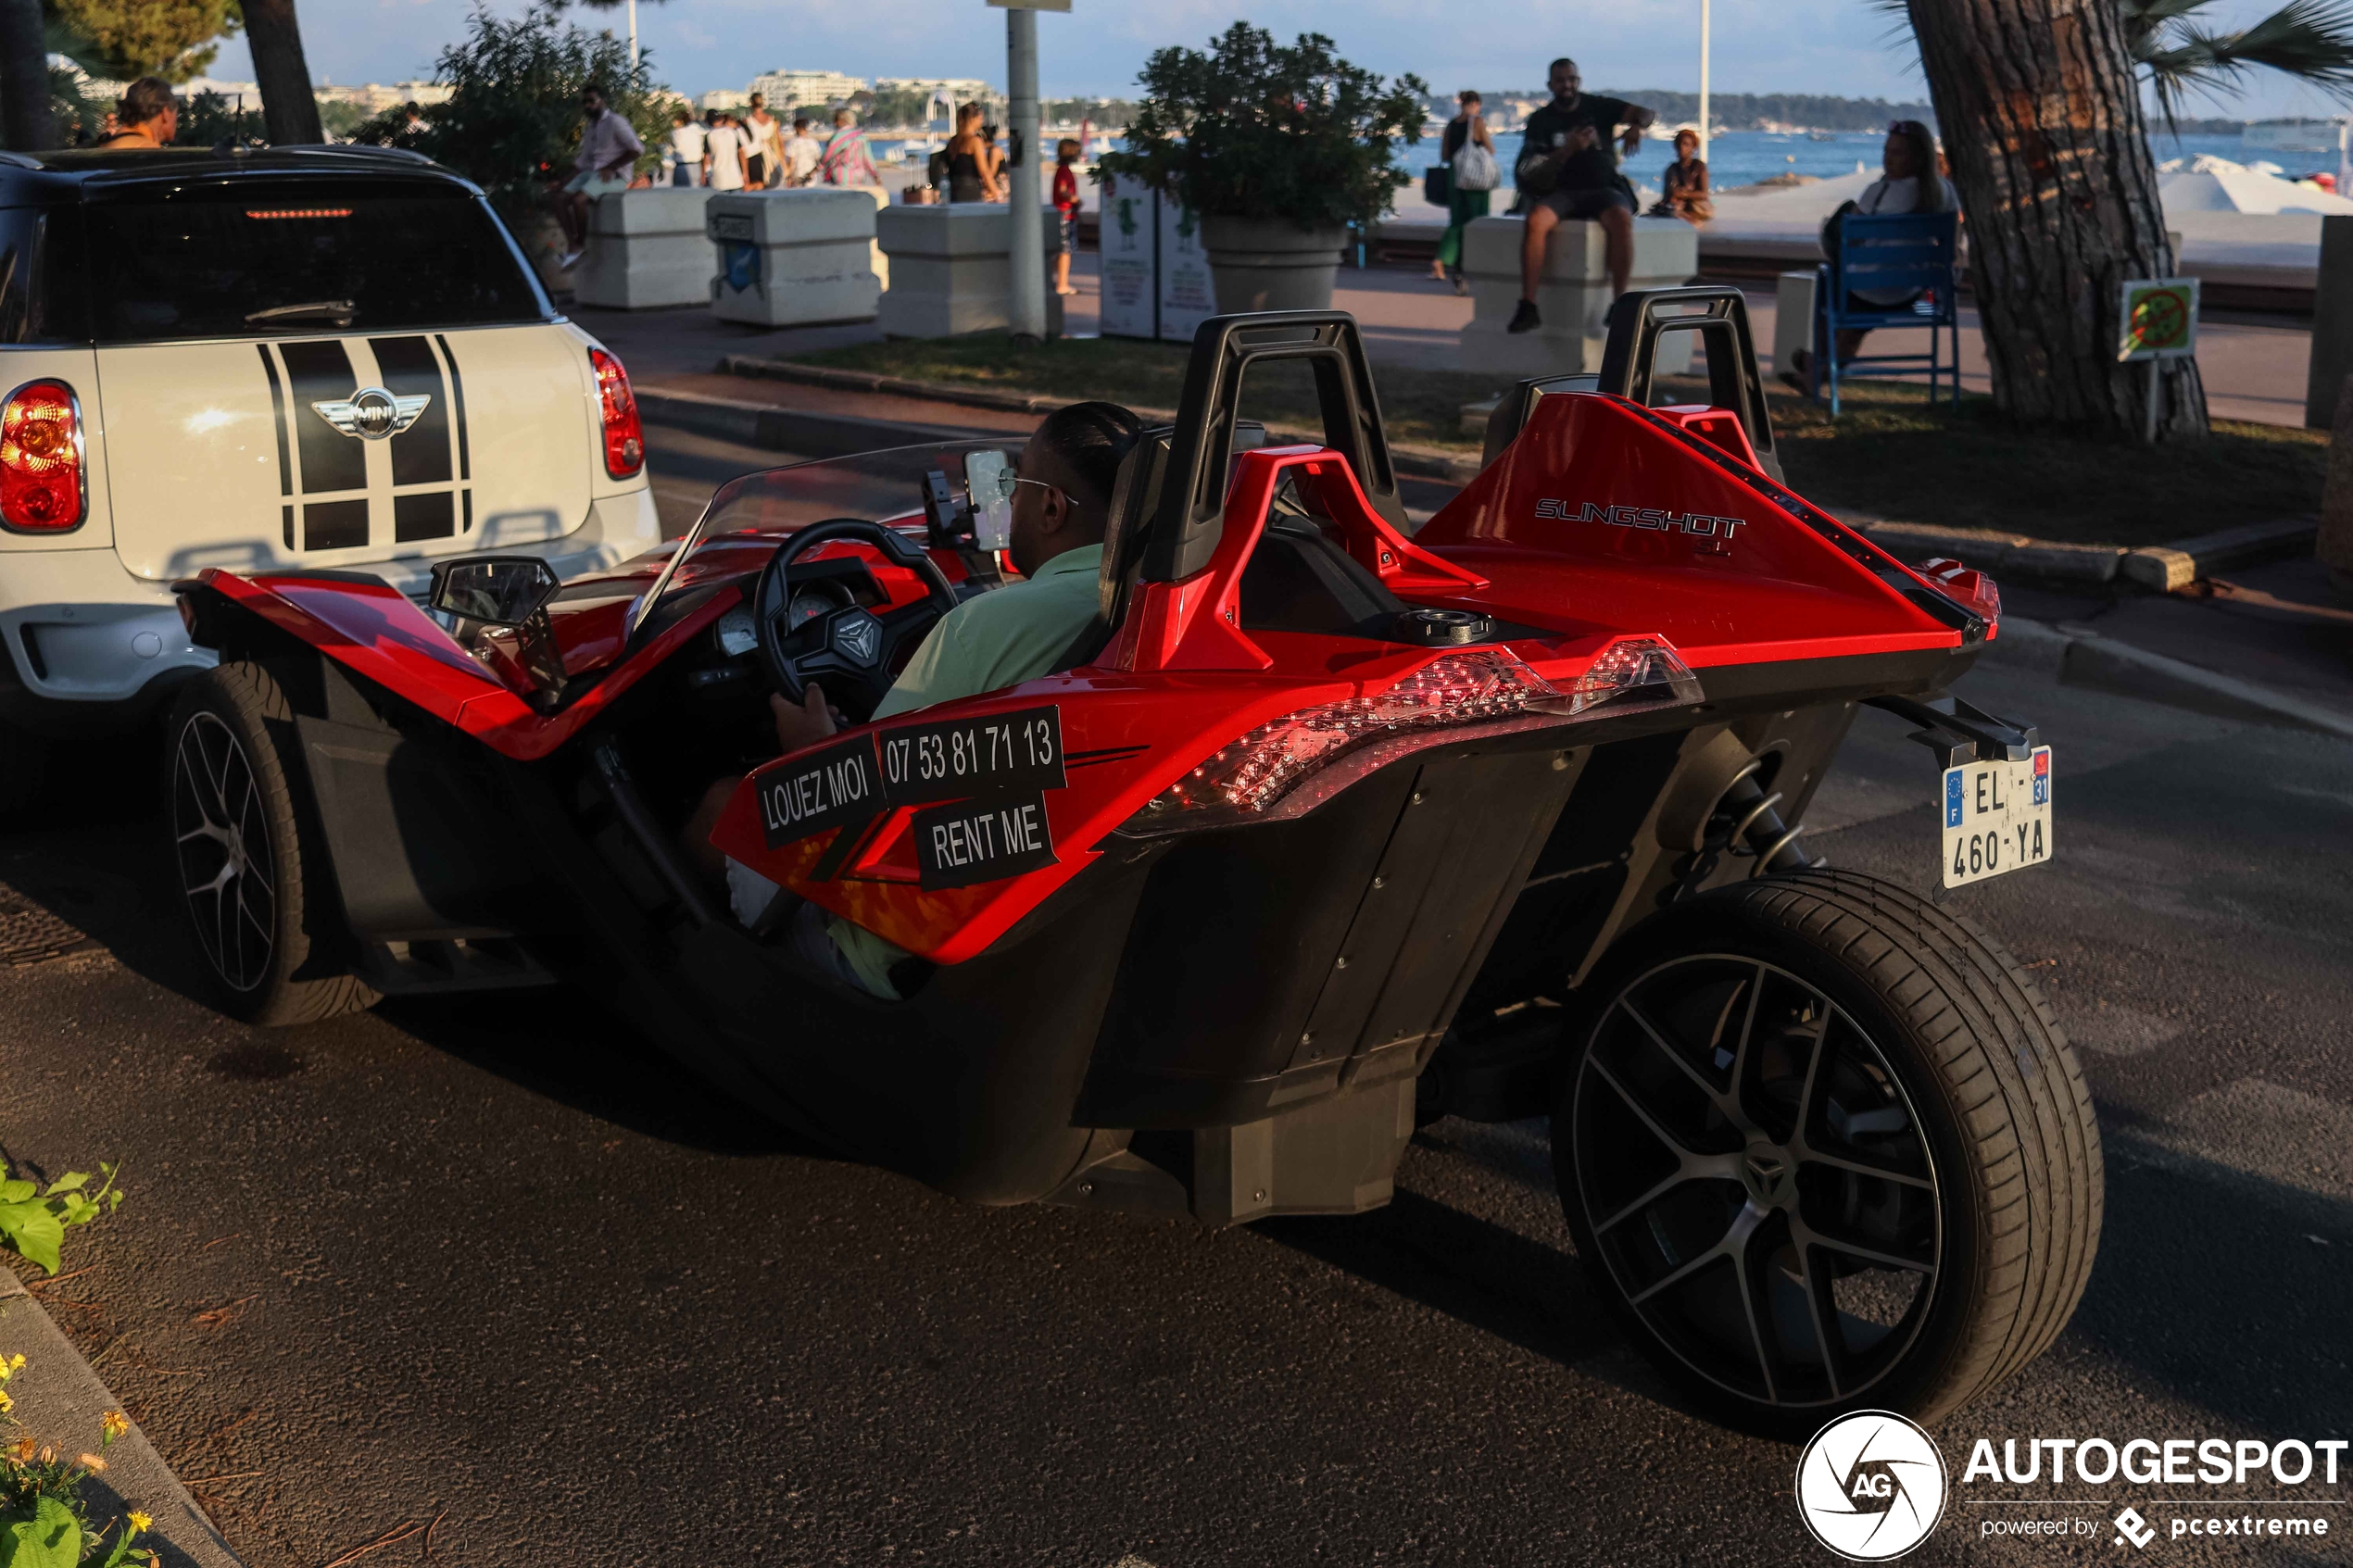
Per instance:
{"type": "Point", "coordinates": [1822, 1148]}
{"type": "Point", "coordinates": [259, 902]}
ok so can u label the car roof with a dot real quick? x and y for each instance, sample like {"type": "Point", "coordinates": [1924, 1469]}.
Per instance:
{"type": "Point", "coordinates": [63, 170]}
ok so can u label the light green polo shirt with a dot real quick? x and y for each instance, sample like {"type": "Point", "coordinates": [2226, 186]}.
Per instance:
{"type": "Point", "coordinates": [999, 639]}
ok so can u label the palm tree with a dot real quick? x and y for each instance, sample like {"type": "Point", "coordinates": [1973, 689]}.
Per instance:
{"type": "Point", "coordinates": [2309, 40]}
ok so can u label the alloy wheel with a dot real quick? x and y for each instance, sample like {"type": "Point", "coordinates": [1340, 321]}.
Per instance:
{"type": "Point", "coordinates": [219, 819]}
{"type": "Point", "coordinates": [1757, 1180]}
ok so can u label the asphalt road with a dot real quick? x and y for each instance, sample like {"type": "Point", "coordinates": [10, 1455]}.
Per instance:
{"type": "Point", "coordinates": [488, 1261]}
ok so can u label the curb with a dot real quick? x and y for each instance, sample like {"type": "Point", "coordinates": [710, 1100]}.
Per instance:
{"type": "Point", "coordinates": [2076, 655]}
{"type": "Point", "coordinates": [2161, 568]}
{"type": "Point", "coordinates": [59, 1399]}
{"type": "Point", "coordinates": [1422, 463]}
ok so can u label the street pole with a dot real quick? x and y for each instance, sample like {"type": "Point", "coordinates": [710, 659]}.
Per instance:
{"type": "Point", "coordinates": [1702, 80]}
{"type": "Point", "coordinates": [1026, 316]}
{"type": "Point", "coordinates": [633, 34]}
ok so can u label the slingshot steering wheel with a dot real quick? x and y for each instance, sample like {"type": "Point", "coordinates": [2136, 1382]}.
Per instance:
{"type": "Point", "coordinates": [851, 649]}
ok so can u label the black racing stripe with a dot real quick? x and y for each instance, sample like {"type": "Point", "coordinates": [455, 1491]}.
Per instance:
{"type": "Point", "coordinates": [335, 525]}
{"type": "Point", "coordinates": [286, 518]}
{"type": "Point", "coordinates": [278, 424]}
{"type": "Point", "coordinates": [457, 397]}
{"type": "Point", "coordinates": [321, 370]}
{"type": "Point", "coordinates": [425, 516]}
{"type": "Point", "coordinates": [469, 496]}
{"type": "Point", "coordinates": [420, 453]}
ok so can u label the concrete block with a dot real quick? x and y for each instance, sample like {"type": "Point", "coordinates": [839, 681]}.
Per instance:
{"type": "Point", "coordinates": [1573, 294]}
{"type": "Point", "coordinates": [1792, 317]}
{"type": "Point", "coordinates": [951, 268]}
{"type": "Point", "coordinates": [2168, 567]}
{"type": "Point", "coordinates": [646, 251]}
{"type": "Point", "coordinates": [794, 258]}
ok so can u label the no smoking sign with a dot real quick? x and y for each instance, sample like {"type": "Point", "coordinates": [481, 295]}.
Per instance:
{"type": "Point", "coordinates": [2157, 319]}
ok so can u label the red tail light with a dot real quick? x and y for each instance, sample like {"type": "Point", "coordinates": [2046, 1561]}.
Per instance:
{"type": "Point", "coordinates": [1247, 777]}
{"type": "Point", "coordinates": [1971, 588]}
{"type": "Point", "coordinates": [625, 437]}
{"type": "Point", "coordinates": [43, 485]}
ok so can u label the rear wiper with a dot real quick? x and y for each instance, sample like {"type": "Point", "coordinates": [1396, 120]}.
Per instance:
{"type": "Point", "coordinates": [339, 311]}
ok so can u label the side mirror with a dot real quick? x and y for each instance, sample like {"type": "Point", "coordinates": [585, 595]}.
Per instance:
{"type": "Point", "coordinates": [493, 590]}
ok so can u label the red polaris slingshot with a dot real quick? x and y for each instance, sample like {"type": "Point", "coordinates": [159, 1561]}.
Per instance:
{"type": "Point", "coordinates": [1328, 826]}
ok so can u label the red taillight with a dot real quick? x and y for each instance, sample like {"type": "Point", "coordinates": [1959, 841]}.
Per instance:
{"type": "Point", "coordinates": [1247, 777]}
{"type": "Point", "coordinates": [42, 490]}
{"type": "Point", "coordinates": [1970, 587]}
{"type": "Point", "coordinates": [625, 437]}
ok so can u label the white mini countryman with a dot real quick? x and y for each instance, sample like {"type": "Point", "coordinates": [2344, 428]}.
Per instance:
{"type": "Point", "coordinates": [306, 359]}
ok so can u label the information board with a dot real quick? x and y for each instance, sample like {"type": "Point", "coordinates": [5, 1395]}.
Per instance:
{"type": "Point", "coordinates": [1125, 240]}
{"type": "Point", "coordinates": [1187, 296]}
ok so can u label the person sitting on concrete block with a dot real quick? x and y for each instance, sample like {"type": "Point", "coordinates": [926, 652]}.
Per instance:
{"type": "Point", "coordinates": [1565, 170]}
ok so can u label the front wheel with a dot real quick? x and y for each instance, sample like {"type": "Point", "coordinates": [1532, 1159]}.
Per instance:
{"type": "Point", "coordinates": [261, 906]}
{"type": "Point", "coordinates": [1822, 1148]}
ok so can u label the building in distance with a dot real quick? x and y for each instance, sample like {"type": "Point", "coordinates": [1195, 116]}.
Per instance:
{"type": "Point", "coordinates": [785, 88]}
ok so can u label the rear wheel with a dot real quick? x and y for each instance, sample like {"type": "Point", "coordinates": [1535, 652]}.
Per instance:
{"type": "Point", "coordinates": [1822, 1148]}
{"type": "Point", "coordinates": [260, 906]}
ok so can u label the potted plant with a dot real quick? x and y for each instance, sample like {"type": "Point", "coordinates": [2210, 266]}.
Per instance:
{"type": "Point", "coordinates": [1278, 150]}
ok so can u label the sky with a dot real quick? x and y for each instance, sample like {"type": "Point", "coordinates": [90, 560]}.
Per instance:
{"type": "Point", "coordinates": [1832, 46]}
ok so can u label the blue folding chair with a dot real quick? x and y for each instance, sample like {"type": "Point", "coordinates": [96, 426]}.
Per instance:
{"type": "Point", "coordinates": [1908, 253]}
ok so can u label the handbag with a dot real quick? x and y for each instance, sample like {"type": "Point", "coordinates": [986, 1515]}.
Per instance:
{"type": "Point", "coordinates": [1475, 169]}
{"type": "Point", "coordinates": [1434, 183]}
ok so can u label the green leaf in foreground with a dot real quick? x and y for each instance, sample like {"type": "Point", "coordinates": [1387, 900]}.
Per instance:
{"type": "Point", "coordinates": [51, 1539]}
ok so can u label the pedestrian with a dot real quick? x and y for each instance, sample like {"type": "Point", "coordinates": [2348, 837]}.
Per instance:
{"type": "Point", "coordinates": [1065, 208]}
{"type": "Point", "coordinates": [1685, 192]}
{"type": "Point", "coordinates": [967, 159]}
{"type": "Point", "coordinates": [685, 149]}
{"type": "Point", "coordinates": [992, 164]}
{"type": "Point", "coordinates": [1470, 183]}
{"type": "Point", "coordinates": [846, 160]}
{"type": "Point", "coordinates": [764, 158]}
{"type": "Point", "coordinates": [148, 117]}
{"type": "Point", "coordinates": [723, 153]}
{"type": "Point", "coordinates": [1565, 170]}
{"type": "Point", "coordinates": [609, 152]}
{"type": "Point", "coordinates": [800, 153]}
{"type": "Point", "coordinates": [1910, 181]}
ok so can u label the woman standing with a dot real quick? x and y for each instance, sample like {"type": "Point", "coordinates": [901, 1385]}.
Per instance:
{"type": "Point", "coordinates": [1687, 196]}
{"type": "Point", "coordinates": [846, 160]}
{"type": "Point", "coordinates": [1467, 130]}
{"type": "Point", "coordinates": [967, 159]}
{"type": "Point", "coordinates": [992, 164]}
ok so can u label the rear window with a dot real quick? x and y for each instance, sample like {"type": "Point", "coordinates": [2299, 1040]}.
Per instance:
{"type": "Point", "coordinates": [260, 258]}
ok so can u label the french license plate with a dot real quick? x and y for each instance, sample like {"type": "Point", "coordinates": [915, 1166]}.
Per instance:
{"type": "Point", "coordinates": [1997, 817]}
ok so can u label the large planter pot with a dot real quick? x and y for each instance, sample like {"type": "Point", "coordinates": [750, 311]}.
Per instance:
{"type": "Point", "coordinates": [1270, 264]}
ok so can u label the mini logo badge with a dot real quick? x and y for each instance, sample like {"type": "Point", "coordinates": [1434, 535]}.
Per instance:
{"type": "Point", "coordinates": [372, 413]}
{"type": "Point", "coordinates": [1871, 1485]}
{"type": "Point", "coordinates": [858, 637]}
{"type": "Point", "coordinates": [2131, 1527]}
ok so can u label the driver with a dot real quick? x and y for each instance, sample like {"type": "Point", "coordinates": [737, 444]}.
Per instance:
{"type": "Point", "coordinates": [1061, 506]}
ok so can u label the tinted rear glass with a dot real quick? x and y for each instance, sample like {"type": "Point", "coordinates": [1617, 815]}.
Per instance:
{"type": "Point", "coordinates": [257, 258]}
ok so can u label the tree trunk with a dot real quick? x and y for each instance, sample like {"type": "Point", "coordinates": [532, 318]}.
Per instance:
{"type": "Point", "coordinates": [24, 77]}
{"type": "Point", "coordinates": [2041, 116]}
{"type": "Point", "coordinates": [289, 113]}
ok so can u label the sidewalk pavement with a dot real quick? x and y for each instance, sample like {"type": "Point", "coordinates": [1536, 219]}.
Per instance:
{"type": "Point", "coordinates": [2254, 371]}
{"type": "Point", "coordinates": [59, 1399]}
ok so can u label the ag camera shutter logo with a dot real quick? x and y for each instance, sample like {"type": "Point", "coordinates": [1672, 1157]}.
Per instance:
{"type": "Point", "coordinates": [1871, 1485]}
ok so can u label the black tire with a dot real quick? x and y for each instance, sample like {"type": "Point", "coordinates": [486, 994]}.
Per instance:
{"type": "Point", "coordinates": [1871, 1104]}
{"type": "Point", "coordinates": [26, 766]}
{"type": "Point", "coordinates": [258, 897]}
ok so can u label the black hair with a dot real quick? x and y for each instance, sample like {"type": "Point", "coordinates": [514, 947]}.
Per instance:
{"type": "Point", "coordinates": [598, 89]}
{"type": "Point", "coordinates": [1092, 439]}
{"type": "Point", "coordinates": [143, 101]}
{"type": "Point", "coordinates": [1564, 60]}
